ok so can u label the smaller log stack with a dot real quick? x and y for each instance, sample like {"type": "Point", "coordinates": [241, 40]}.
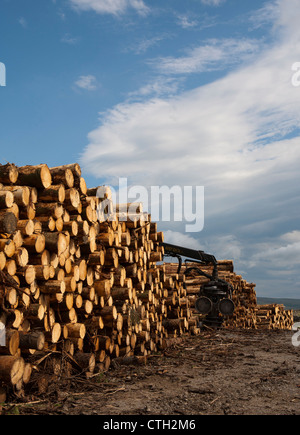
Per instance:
{"type": "Point", "coordinates": [248, 314]}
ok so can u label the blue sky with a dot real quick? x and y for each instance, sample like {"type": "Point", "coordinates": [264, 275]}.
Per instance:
{"type": "Point", "coordinates": [194, 93]}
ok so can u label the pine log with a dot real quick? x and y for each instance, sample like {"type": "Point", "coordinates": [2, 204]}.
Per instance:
{"type": "Point", "coordinates": [96, 258]}
{"type": "Point", "coordinates": [49, 209]}
{"type": "Point", "coordinates": [26, 274]}
{"type": "Point", "coordinates": [74, 330]}
{"type": "Point", "coordinates": [106, 239]}
{"type": "Point", "coordinates": [27, 212]}
{"type": "Point", "coordinates": [42, 272]}
{"type": "Point", "coordinates": [80, 184]}
{"type": "Point", "coordinates": [8, 222]}
{"type": "Point", "coordinates": [11, 267]}
{"type": "Point", "coordinates": [52, 286]}
{"type": "Point", "coordinates": [8, 173]}
{"type": "Point", "coordinates": [62, 175]}
{"type": "Point", "coordinates": [86, 361]}
{"type": "Point", "coordinates": [26, 226]}
{"type": "Point", "coordinates": [54, 334]}
{"type": "Point", "coordinates": [72, 200]}
{"type": "Point", "coordinates": [32, 340]}
{"type": "Point", "coordinates": [2, 260]}
{"type": "Point", "coordinates": [36, 176]}
{"type": "Point", "coordinates": [12, 342]}
{"type": "Point", "coordinates": [44, 258]}
{"type": "Point", "coordinates": [52, 193]}
{"type": "Point", "coordinates": [21, 194]}
{"type": "Point", "coordinates": [47, 223]}
{"type": "Point", "coordinates": [27, 373]}
{"type": "Point", "coordinates": [102, 287]}
{"type": "Point", "coordinates": [8, 247]}
{"type": "Point", "coordinates": [35, 243]}
{"type": "Point", "coordinates": [11, 368]}
{"type": "Point", "coordinates": [109, 313]}
{"type": "Point", "coordinates": [35, 311]}
{"type": "Point", "coordinates": [6, 199]}
{"type": "Point", "coordinates": [55, 242]}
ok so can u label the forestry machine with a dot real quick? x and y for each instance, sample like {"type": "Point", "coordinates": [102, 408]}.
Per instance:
{"type": "Point", "coordinates": [215, 296]}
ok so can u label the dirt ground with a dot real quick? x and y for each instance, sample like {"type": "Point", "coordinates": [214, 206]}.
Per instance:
{"type": "Point", "coordinates": [225, 372]}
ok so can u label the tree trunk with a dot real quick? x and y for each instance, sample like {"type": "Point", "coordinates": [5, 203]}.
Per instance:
{"type": "Point", "coordinates": [36, 176]}
{"type": "Point", "coordinates": [8, 173]}
{"type": "Point", "coordinates": [12, 342]}
{"type": "Point", "coordinates": [32, 340]}
{"type": "Point", "coordinates": [8, 223]}
{"type": "Point", "coordinates": [53, 193]}
{"type": "Point", "coordinates": [11, 368]}
{"type": "Point", "coordinates": [6, 199]}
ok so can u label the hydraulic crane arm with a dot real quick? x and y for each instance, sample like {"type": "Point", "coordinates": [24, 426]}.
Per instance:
{"type": "Point", "coordinates": [189, 253]}
{"type": "Point", "coordinates": [200, 256]}
{"type": "Point", "coordinates": [215, 296]}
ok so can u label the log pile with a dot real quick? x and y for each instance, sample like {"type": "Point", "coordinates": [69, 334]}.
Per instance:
{"type": "Point", "coordinates": [77, 290]}
{"type": "Point", "coordinates": [248, 314]}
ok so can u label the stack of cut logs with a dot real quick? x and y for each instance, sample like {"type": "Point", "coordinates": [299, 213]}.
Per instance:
{"type": "Point", "coordinates": [81, 281]}
{"type": "Point", "coordinates": [247, 313]}
{"type": "Point", "coordinates": [78, 288]}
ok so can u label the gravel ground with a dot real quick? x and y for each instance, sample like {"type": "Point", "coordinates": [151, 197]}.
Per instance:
{"type": "Point", "coordinates": [225, 372]}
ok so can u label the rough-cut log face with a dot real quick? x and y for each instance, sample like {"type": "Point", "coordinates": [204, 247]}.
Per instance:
{"type": "Point", "coordinates": [78, 291]}
{"type": "Point", "coordinates": [6, 199]}
{"type": "Point", "coordinates": [52, 193]}
{"type": "Point", "coordinates": [11, 368]}
{"type": "Point", "coordinates": [8, 222]}
{"type": "Point", "coordinates": [8, 173]}
{"type": "Point", "coordinates": [35, 176]}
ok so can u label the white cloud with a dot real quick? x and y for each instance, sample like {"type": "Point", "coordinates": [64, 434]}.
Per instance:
{"type": "Point", "coordinates": [160, 86]}
{"type": "Point", "coordinates": [281, 253]}
{"type": "Point", "coordinates": [220, 128]}
{"type": "Point", "coordinates": [186, 22]}
{"type": "Point", "coordinates": [214, 55]}
{"type": "Point", "coordinates": [292, 237]}
{"type": "Point", "coordinates": [23, 22]}
{"type": "Point", "coordinates": [226, 247]}
{"type": "Point", "coordinates": [114, 7]}
{"type": "Point", "coordinates": [237, 136]}
{"type": "Point", "coordinates": [61, 15]}
{"type": "Point", "coordinates": [232, 129]}
{"type": "Point", "coordinates": [267, 14]}
{"type": "Point", "coordinates": [212, 2]}
{"type": "Point", "coordinates": [143, 45]}
{"type": "Point", "coordinates": [68, 39]}
{"type": "Point", "coordinates": [88, 83]}
{"type": "Point", "coordinates": [179, 239]}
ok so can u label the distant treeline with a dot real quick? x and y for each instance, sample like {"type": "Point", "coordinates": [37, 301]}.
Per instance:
{"type": "Point", "coordinates": [290, 304]}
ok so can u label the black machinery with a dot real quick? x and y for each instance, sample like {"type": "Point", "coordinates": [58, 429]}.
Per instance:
{"type": "Point", "coordinates": [215, 296]}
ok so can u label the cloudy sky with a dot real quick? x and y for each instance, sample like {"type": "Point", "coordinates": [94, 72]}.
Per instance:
{"type": "Point", "coordinates": [169, 93]}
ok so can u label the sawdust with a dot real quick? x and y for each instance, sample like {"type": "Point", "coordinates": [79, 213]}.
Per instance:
{"type": "Point", "coordinates": [225, 372]}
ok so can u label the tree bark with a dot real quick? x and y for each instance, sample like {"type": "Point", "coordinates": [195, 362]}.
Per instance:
{"type": "Point", "coordinates": [8, 223]}
{"type": "Point", "coordinates": [36, 176]}
{"type": "Point", "coordinates": [11, 368]}
{"type": "Point", "coordinates": [8, 173]}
